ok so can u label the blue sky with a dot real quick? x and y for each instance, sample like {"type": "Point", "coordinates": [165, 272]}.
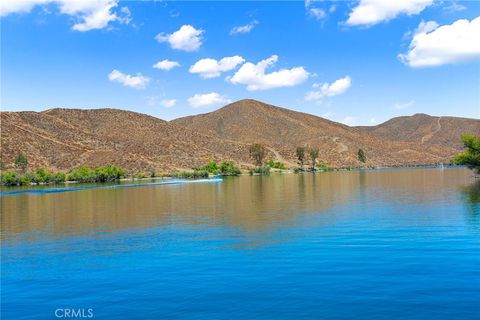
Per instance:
{"type": "Point", "coordinates": [357, 62]}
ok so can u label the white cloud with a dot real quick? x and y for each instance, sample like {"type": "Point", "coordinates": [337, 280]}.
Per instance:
{"type": "Point", "coordinates": [207, 100]}
{"type": "Point", "coordinates": [454, 7]}
{"type": "Point", "coordinates": [434, 45]}
{"type": "Point", "coordinates": [371, 12]}
{"type": "Point", "coordinates": [328, 90]}
{"type": "Point", "coordinates": [187, 38]}
{"type": "Point", "coordinates": [166, 65]}
{"type": "Point", "coordinates": [401, 106]}
{"type": "Point", "coordinates": [315, 12]}
{"type": "Point", "coordinates": [211, 68]}
{"type": "Point", "coordinates": [89, 14]}
{"type": "Point", "coordinates": [255, 78]}
{"type": "Point", "coordinates": [137, 81]}
{"type": "Point", "coordinates": [245, 28]}
{"type": "Point", "coordinates": [373, 121]}
{"type": "Point", "coordinates": [168, 103]}
{"type": "Point", "coordinates": [349, 121]}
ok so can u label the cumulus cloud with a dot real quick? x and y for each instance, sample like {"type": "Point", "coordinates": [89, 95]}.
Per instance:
{"type": "Point", "coordinates": [89, 14]}
{"type": "Point", "coordinates": [137, 81]}
{"type": "Point", "coordinates": [434, 45]}
{"type": "Point", "coordinates": [168, 103]}
{"type": "Point", "coordinates": [211, 68]}
{"type": "Point", "coordinates": [187, 38]}
{"type": "Point", "coordinates": [255, 78]}
{"type": "Point", "coordinates": [371, 12]}
{"type": "Point", "coordinates": [244, 29]}
{"type": "Point", "coordinates": [166, 65]}
{"type": "Point", "coordinates": [206, 100]}
{"type": "Point", "coordinates": [405, 105]}
{"type": "Point", "coordinates": [328, 90]}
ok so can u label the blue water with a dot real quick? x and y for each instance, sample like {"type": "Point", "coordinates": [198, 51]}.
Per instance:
{"type": "Point", "coordinates": [346, 245]}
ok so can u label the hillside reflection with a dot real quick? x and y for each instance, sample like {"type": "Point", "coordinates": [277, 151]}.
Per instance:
{"type": "Point", "coordinates": [252, 205]}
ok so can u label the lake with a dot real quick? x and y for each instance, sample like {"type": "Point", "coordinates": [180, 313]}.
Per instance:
{"type": "Point", "coordinates": [387, 244]}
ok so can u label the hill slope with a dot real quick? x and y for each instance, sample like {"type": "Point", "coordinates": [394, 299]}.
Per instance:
{"type": "Point", "coordinates": [426, 130]}
{"type": "Point", "coordinates": [66, 138]}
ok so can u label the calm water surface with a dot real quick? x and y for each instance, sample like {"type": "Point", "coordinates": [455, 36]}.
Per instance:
{"type": "Point", "coordinates": [398, 244]}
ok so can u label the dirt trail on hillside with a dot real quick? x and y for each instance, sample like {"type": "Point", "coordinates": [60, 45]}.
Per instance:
{"type": "Point", "coordinates": [430, 135]}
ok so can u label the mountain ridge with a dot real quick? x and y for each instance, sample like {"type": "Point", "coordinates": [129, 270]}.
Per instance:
{"type": "Point", "coordinates": [63, 138]}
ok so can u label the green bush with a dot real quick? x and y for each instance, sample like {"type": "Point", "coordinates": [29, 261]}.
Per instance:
{"type": "Point", "coordinates": [9, 178]}
{"type": "Point", "coordinates": [99, 174]}
{"type": "Point", "coordinates": [264, 171]}
{"type": "Point", "coordinates": [195, 174]}
{"type": "Point", "coordinates": [323, 166]}
{"type": "Point", "coordinates": [276, 165]}
{"type": "Point", "coordinates": [227, 168]}
{"type": "Point", "coordinates": [211, 167]}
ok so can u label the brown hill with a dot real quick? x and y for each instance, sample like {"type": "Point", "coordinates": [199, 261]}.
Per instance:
{"type": "Point", "coordinates": [66, 138]}
{"type": "Point", "coordinates": [426, 130]}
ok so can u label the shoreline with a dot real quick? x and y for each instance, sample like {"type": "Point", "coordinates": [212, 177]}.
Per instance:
{"type": "Point", "coordinates": [43, 188]}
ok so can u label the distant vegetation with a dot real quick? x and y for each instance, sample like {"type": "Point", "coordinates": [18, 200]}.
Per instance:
{"type": "Point", "coordinates": [361, 156]}
{"type": "Point", "coordinates": [471, 156]}
{"type": "Point", "coordinates": [99, 174]}
{"type": "Point", "coordinates": [21, 162]}
{"type": "Point", "coordinates": [42, 176]}
{"type": "Point", "coordinates": [264, 171]}
{"type": "Point", "coordinates": [226, 168]}
{"type": "Point", "coordinates": [257, 153]}
{"type": "Point", "coordinates": [313, 152]}
{"type": "Point", "coordinates": [276, 165]}
{"type": "Point", "coordinates": [195, 174]}
{"type": "Point", "coordinates": [300, 156]}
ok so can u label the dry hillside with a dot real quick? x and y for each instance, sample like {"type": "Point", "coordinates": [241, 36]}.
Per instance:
{"type": "Point", "coordinates": [426, 130]}
{"type": "Point", "coordinates": [66, 138]}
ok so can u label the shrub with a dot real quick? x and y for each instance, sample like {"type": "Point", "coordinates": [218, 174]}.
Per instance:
{"type": "Point", "coordinates": [195, 174]}
{"type": "Point", "coordinates": [265, 171]}
{"type": "Point", "coordinates": [276, 165]}
{"type": "Point", "coordinates": [9, 178]}
{"type": "Point", "coordinates": [227, 168]}
{"type": "Point", "coordinates": [257, 153]}
{"type": "Point", "coordinates": [210, 167]}
{"type": "Point", "coordinates": [82, 174]}
{"type": "Point", "coordinates": [21, 162]}
{"type": "Point", "coordinates": [300, 152]}
{"type": "Point", "coordinates": [99, 174]}
{"type": "Point", "coordinates": [323, 166]}
{"type": "Point", "coordinates": [361, 156]}
{"type": "Point", "coordinates": [471, 156]}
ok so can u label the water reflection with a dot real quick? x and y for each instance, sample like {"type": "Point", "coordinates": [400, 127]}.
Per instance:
{"type": "Point", "coordinates": [471, 196]}
{"type": "Point", "coordinates": [252, 205]}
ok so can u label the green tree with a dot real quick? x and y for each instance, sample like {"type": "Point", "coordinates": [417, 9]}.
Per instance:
{"type": "Point", "coordinates": [313, 156]}
{"type": "Point", "coordinates": [301, 156]}
{"type": "Point", "coordinates": [257, 153]}
{"type": "Point", "coordinates": [21, 162]}
{"type": "Point", "coordinates": [471, 156]}
{"type": "Point", "coordinates": [361, 156]}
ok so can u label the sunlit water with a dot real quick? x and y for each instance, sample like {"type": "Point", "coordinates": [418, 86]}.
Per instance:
{"type": "Point", "coordinates": [396, 244]}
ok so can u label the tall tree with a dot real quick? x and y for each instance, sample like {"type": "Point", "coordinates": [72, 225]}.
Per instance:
{"type": "Point", "coordinates": [471, 156]}
{"type": "Point", "coordinates": [21, 162]}
{"type": "Point", "coordinates": [313, 156]}
{"type": "Point", "coordinates": [361, 156]}
{"type": "Point", "coordinates": [301, 156]}
{"type": "Point", "coordinates": [257, 153]}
